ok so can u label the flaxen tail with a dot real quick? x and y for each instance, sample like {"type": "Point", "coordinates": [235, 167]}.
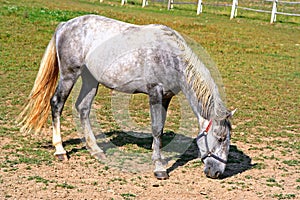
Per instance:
{"type": "Point", "coordinates": [36, 112]}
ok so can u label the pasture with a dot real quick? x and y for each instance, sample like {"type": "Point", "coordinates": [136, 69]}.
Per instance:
{"type": "Point", "coordinates": [260, 68]}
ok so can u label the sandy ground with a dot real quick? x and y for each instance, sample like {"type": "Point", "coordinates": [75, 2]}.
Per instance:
{"type": "Point", "coordinates": [82, 177]}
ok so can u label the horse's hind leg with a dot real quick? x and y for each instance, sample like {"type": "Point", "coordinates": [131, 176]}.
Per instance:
{"type": "Point", "coordinates": [158, 109]}
{"type": "Point", "coordinates": [58, 100]}
{"type": "Point", "coordinates": [83, 106]}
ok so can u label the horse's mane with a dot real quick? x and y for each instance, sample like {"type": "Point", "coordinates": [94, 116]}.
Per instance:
{"type": "Point", "coordinates": [201, 82]}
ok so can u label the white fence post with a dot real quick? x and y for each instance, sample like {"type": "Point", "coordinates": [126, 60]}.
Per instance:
{"type": "Point", "coordinates": [274, 11]}
{"type": "Point", "coordinates": [234, 9]}
{"type": "Point", "coordinates": [199, 7]}
{"type": "Point", "coordinates": [170, 4]}
{"type": "Point", "coordinates": [145, 3]}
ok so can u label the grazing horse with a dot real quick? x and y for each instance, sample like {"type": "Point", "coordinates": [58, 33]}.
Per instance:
{"type": "Point", "coordinates": [150, 59]}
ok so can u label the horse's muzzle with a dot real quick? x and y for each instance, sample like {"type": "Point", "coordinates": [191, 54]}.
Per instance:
{"type": "Point", "coordinates": [212, 174]}
{"type": "Point", "coordinates": [213, 169]}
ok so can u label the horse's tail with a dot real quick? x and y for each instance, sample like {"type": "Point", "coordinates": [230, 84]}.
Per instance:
{"type": "Point", "coordinates": [36, 111]}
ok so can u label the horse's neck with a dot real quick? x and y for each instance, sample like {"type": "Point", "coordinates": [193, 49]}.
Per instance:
{"type": "Point", "coordinates": [203, 94]}
{"type": "Point", "coordinates": [199, 87]}
{"type": "Point", "coordinates": [194, 102]}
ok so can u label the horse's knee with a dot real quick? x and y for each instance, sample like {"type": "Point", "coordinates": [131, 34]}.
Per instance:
{"type": "Point", "coordinates": [83, 111]}
{"type": "Point", "coordinates": [83, 106]}
{"type": "Point", "coordinates": [157, 129]}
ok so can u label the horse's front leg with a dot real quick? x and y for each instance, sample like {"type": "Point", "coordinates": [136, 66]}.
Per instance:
{"type": "Point", "coordinates": [158, 109]}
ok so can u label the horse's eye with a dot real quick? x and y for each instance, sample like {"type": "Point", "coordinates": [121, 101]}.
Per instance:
{"type": "Point", "coordinates": [221, 139]}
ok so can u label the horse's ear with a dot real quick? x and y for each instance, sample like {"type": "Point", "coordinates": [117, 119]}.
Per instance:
{"type": "Point", "coordinates": [231, 113]}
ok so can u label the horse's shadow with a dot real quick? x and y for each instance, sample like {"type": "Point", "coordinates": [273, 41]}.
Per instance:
{"type": "Point", "coordinates": [238, 162]}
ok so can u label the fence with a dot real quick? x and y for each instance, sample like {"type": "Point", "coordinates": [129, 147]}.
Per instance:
{"type": "Point", "coordinates": [273, 12]}
{"type": "Point", "coordinates": [199, 5]}
{"type": "Point", "coordinates": [271, 8]}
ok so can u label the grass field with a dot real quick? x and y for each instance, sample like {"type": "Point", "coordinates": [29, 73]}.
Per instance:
{"type": "Point", "coordinates": [260, 68]}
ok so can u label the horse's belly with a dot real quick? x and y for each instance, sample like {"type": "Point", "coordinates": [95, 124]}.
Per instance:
{"type": "Point", "coordinates": [124, 78]}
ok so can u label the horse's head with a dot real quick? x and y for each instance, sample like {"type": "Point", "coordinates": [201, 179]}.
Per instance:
{"type": "Point", "coordinates": [213, 142]}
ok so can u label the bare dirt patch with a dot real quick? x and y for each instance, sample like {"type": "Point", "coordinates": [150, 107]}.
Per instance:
{"type": "Point", "coordinates": [82, 177]}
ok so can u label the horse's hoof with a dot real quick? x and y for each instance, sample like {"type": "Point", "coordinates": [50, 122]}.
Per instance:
{"type": "Point", "coordinates": [161, 175]}
{"type": "Point", "coordinates": [62, 157]}
{"type": "Point", "coordinates": [99, 156]}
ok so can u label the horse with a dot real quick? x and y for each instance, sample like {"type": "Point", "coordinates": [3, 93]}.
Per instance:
{"type": "Point", "coordinates": [151, 59]}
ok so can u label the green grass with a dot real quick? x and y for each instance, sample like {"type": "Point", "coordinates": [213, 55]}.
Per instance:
{"type": "Point", "coordinates": [260, 166]}
{"type": "Point", "coordinates": [271, 182]}
{"type": "Point", "coordinates": [121, 181]}
{"type": "Point", "coordinates": [39, 179]}
{"type": "Point", "coordinates": [271, 65]}
{"type": "Point", "coordinates": [284, 196]}
{"type": "Point", "coordinates": [291, 162]}
{"type": "Point", "coordinates": [128, 195]}
{"type": "Point", "coordinates": [65, 185]}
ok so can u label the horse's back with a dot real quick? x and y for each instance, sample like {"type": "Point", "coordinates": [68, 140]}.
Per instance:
{"type": "Point", "coordinates": [77, 36]}
{"type": "Point", "coordinates": [120, 55]}
{"type": "Point", "coordinates": [134, 58]}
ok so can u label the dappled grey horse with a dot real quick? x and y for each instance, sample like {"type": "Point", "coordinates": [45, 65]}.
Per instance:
{"type": "Point", "coordinates": [150, 59]}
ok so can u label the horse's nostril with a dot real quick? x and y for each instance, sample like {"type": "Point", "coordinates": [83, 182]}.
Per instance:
{"type": "Point", "coordinates": [207, 171]}
{"type": "Point", "coordinates": [211, 174]}
{"type": "Point", "coordinates": [217, 174]}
